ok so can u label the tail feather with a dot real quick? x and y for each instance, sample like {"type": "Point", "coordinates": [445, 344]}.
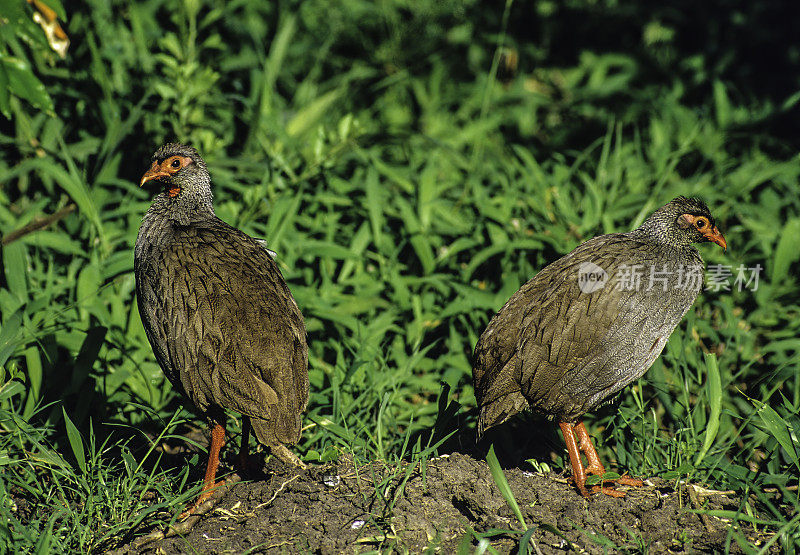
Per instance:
{"type": "Point", "coordinates": [284, 429]}
{"type": "Point", "coordinates": [499, 410]}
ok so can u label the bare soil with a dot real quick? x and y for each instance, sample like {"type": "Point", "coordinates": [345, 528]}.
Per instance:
{"type": "Point", "coordinates": [444, 505]}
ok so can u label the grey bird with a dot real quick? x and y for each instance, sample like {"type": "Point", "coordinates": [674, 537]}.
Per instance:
{"type": "Point", "coordinates": [222, 322]}
{"type": "Point", "coordinates": [589, 324]}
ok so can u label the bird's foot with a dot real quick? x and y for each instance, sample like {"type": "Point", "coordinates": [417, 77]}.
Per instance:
{"type": "Point", "coordinates": [577, 438]}
{"type": "Point", "coordinates": [626, 480]}
{"type": "Point", "coordinates": [187, 519]}
{"type": "Point", "coordinates": [208, 498]}
{"type": "Point", "coordinates": [283, 453]}
{"type": "Point", "coordinates": [610, 490]}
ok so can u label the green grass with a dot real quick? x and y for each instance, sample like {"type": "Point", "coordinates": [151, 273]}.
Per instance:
{"type": "Point", "coordinates": [410, 183]}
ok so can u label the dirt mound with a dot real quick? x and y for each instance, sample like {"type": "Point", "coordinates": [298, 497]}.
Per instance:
{"type": "Point", "coordinates": [448, 502]}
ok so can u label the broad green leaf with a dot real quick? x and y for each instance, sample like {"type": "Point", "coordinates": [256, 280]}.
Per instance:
{"type": "Point", "coordinates": [9, 389]}
{"type": "Point", "coordinates": [75, 187]}
{"type": "Point", "coordinates": [281, 220]}
{"type": "Point", "coordinates": [5, 107]}
{"type": "Point", "coordinates": [88, 286]}
{"type": "Point", "coordinates": [43, 545]}
{"type": "Point", "coordinates": [722, 104]}
{"type": "Point", "coordinates": [55, 240]}
{"type": "Point", "coordinates": [329, 249]}
{"type": "Point", "coordinates": [786, 252]}
{"type": "Point", "coordinates": [375, 201]}
{"type": "Point", "coordinates": [277, 53]}
{"type": "Point", "coordinates": [33, 363]}
{"type": "Point", "coordinates": [9, 334]}
{"type": "Point", "coordinates": [526, 539]}
{"type": "Point", "coordinates": [780, 429]}
{"type": "Point", "coordinates": [334, 428]}
{"type": "Point", "coordinates": [480, 257]}
{"type": "Point", "coordinates": [424, 252]}
{"type": "Point", "coordinates": [359, 243]}
{"type": "Point", "coordinates": [393, 174]}
{"type": "Point", "coordinates": [24, 84]}
{"type": "Point", "coordinates": [311, 114]}
{"type": "Point", "coordinates": [15, 267]}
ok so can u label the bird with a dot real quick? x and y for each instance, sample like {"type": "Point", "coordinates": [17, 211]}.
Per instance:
{"type": "Point", "coordinates": [589, 324]}
{"type": "Point", "coordinates": [218, 313]}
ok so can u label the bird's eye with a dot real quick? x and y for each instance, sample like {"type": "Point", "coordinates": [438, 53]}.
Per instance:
{"type": "Point", "coordinates": [176, 163]}
{"type": "Point", "coordinates": [701, 223]}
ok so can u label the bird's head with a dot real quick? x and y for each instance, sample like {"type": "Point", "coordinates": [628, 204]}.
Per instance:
{"type": "Point", "coordinates": [696, 223]}
{"type": "Point", "coordinates": [180, 169]}
{"type": "Point", "coordinates": [684, 221]}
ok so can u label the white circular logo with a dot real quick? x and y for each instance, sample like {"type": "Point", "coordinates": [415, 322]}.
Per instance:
{"type": "Point", "coordinates": [591, 277]}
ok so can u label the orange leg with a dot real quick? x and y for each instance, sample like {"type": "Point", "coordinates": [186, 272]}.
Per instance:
{"type": "Point", "coordinates": [595, 466]}
{"type": "Point", "coordinates": [578, 474]}
{"type": "Point", "coordinates": [586, 445]}
{"type": "Point", "coordinates": [584, 442]}
{"type": "Point", "coordinates": [209, 483]}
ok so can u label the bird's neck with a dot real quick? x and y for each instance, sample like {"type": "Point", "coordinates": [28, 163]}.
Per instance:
{"type": "Point", "coordinates": [658, 229]}
{"type": "Point", "coordinates": [184, 209]}
{"type": "Point", "coordinates": [674, 250]}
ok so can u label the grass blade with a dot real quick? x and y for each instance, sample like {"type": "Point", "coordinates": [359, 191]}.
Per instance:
{"type": "Point", "coordinates": [502, 485]}
{"type": "Point", "coordinates": [714, 397]}
{"type": "Point", "coordinates": [527, 538]}
{"type": "Point", "coordinates": [780, 429]}
{"type": "Point", "coordinates": [786, 251]}
{"type": "Point", "coordinates": [75, 441]}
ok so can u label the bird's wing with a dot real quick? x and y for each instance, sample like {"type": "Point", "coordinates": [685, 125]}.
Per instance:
{"type": "Point", "coordinates": [559, 321]}
{"type": "Point", "coordinates": [498, 359]}
{"type": "Point", "coordinates": [567, 321]}
{"type": "Point", "coordinates": [245, 346]}
{"type": "Point", "coordinates": [579, 343]}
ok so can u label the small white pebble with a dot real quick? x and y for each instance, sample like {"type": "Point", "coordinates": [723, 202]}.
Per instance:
{"type": "Point", "coordinates": [528, 473]}
{"type": "Point", "coordinates": [332, 480]}
{"type": "Point", "coordinates": [357, 524]}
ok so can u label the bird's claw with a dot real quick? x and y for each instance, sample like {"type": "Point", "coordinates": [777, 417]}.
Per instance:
{"type": "Point", "coordinates": [209, 498]}
{"type": "Point", "coordinates": [626, 480]}
{"type": "Point", "coordinates": [281, 452]}
{"type": "Point", "coordinates": [610, 490]}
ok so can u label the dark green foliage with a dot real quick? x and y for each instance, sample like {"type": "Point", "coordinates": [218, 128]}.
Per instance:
{"type": "Point", "coordinates": [410, 178]}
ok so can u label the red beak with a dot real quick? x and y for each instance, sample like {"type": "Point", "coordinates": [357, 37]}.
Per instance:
{"type": "Point", "coordinates": [154, 172]}
{"type": "Point", "coordinates": [715, 236]}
